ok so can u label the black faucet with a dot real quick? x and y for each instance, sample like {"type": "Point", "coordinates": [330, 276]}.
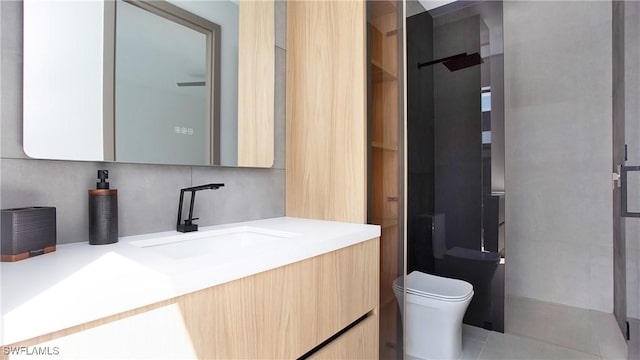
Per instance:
{"type": "Point", "coordinates": [188, 225]}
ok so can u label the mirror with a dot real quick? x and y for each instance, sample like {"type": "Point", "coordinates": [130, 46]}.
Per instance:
{"type": "Point", "coordinates": [150, 81]}
{"type": "Point", "coordinates": [164, 82]}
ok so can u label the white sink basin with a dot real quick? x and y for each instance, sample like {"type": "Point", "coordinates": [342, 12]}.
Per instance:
{"type": "Point", "coordinates": [239, 241]}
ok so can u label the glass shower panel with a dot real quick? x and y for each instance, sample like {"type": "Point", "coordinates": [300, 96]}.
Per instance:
{"type": "Point", "coordinates": [455, 128]}
{"type": "Point", "coordinates": [385, 144]}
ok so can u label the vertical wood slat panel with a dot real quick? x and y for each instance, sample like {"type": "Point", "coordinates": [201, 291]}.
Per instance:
{"type": "Point", "coordinates": [256, 74]}
{"type": "Point", "coordinates": [326, 110]}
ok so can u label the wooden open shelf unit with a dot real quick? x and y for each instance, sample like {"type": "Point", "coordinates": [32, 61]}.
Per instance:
{"type": "Point", "coordinates": [385, 161]}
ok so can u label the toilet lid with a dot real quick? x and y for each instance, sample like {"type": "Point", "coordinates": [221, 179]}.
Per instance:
{"type": "Point", "coordinates": [436, 286]}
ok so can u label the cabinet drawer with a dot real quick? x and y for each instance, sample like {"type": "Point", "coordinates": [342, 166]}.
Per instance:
{"type": "Point", "coordinates": [360, 342]}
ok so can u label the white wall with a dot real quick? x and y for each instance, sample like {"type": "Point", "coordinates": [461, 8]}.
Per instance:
{"type": "Point", "coordinates": [558, 107]}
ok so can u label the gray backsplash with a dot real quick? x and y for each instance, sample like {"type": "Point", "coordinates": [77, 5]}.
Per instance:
{"type": "Point", "coordinates": [147, 194]}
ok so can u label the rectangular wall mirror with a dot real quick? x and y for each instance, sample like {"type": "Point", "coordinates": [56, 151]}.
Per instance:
{"type": "Point", "coordinates": [180, 82]}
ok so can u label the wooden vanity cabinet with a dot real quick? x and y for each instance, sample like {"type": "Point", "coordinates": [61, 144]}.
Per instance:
{"type": "Point", "coordinates": [282, 313]}
{"type": "Point", "coordinates": [285, 312]}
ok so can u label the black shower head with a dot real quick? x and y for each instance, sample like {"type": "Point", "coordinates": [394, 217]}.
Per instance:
{"type": "Point", "coordinates": [463, 62]}
{"type": "Point", "coordinates": [456, 62]}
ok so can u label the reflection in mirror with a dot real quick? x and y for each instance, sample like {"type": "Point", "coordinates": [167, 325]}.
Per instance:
{"type": "Point", "coordinates": [163, 86]}
{"type": "Point", "coordinates": [159, 85]}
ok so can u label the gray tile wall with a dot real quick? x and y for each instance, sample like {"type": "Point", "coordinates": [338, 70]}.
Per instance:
{"type": "Point", "coordinates": [147, 194]}
{"type": "Point", "coordinates": [632, 135]}
{"type": "Point", "coordinates": [558, 110]}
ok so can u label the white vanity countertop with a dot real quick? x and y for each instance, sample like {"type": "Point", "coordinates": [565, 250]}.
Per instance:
{"type": "Point", "coordinates": [79, 283]}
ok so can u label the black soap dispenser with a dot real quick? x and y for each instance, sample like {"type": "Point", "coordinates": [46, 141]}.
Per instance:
{"type": "Point", "coordinates": [103, 212]}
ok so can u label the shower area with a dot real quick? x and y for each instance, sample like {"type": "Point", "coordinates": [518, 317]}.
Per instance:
{"type": "Point", "coordinates": [455, 149]}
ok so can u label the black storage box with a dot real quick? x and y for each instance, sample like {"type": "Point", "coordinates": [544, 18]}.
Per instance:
{"type": "Point", "coordinates": [27, 232]}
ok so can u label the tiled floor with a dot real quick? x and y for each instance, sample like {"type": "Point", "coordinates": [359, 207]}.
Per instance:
{"type": "Point", "coordinates": [498, 346]}
{"type": "Point", "coordinates": [539, 330]}
{"type": "Point", "coordinates": [588, 331]}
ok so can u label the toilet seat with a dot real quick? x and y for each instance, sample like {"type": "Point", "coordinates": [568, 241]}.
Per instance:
{"type": "Point", "coordinates": [432, 309]}
{"type": "Point", "coordinates": [435, 287]}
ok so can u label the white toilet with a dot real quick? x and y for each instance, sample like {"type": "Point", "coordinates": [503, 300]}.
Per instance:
{"type": "Point", "coordinates": [435, 307]}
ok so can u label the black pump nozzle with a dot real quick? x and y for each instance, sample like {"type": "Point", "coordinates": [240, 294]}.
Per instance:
{"type": "Point", "coordinates": [103, 175]}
